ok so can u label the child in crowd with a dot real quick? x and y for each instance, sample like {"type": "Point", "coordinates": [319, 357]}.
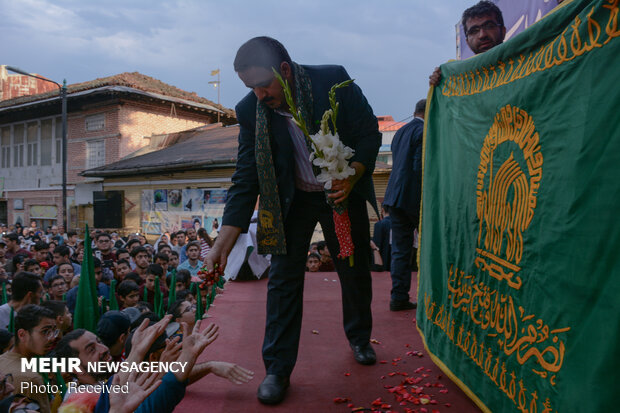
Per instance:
{"type": "Point", "coordinates": [128, 294]}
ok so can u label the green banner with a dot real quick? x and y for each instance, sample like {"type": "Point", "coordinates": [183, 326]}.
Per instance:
{"type": "Point", "coordinates": [520, 237]}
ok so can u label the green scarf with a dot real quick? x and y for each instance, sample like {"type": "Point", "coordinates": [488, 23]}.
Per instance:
{"type": "Point", "coordinates": [270, 232]}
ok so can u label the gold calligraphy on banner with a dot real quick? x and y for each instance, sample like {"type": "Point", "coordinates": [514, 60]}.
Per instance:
{"type": "Point", "coordinates": [578, 39]}
{"type": "Point", "coordinates": [506, 198]}
{"type": "Point", "coordinates": [522, 335]}
{"type": "Point", "coordinates": [489, 362]}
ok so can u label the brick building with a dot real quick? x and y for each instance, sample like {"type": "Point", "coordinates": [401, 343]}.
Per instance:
{"type": "Point", "coordinates": [108, 119]}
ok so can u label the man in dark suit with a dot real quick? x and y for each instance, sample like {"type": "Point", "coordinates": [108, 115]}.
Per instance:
{"type": "Point", "coordinates": [402, 200]}
{"type": "Point", "coordinates": [273, 162]}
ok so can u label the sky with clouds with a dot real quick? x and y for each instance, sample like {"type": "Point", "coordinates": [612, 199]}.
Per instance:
{"type": "Point", "coordinates": [390, 47]}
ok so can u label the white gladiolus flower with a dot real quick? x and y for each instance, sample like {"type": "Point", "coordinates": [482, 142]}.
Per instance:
{"type": "Point", "coordinates": [331, 156]}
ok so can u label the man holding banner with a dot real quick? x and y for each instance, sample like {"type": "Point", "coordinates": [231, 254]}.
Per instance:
{"type": "Point", "coordinates": [484, 29]}
{"type": "Point", "coordinates": [519, 265]}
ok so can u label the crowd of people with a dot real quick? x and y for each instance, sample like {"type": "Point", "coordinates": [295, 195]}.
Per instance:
{"type": "Point", "coordinates": [41, 271]}
{"type": "Point", "coordinates": [40, 275]}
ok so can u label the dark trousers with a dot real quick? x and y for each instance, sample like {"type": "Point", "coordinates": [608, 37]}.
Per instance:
{"type": "Point", "coordinates": [403, 225]}
{"type": "Point", "coordinates": [286, 279]}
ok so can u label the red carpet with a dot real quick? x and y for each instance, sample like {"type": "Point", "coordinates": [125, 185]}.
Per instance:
{"type": "Point", "coordinates": [325, 367]}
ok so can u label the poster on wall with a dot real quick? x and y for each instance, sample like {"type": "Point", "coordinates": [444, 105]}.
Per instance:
{"type": "Point", "coordinates": [147, 202]}
{"type": "Point", "coordinates": [175, 200]}
{"type": "Point", "coordinates": [192, 200]}
{"type": "Point", "coordinates": [160, 199]}
{"type": "Point", "coordinates": [170, 210]}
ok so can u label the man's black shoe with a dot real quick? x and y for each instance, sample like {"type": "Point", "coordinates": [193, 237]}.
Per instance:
{"type": "Point", "coordinates": [364, 354]}
{"type": "Point", "coordinates": [402, 305]}
{"type": "Point", "coordinates": [273, 389]}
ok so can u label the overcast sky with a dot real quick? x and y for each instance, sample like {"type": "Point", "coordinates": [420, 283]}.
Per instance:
{"type": "Point", "coordinates": [389, 46]}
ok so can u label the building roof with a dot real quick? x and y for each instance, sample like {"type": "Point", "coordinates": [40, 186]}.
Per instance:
{"type": "Point", "coordinates": [133, 80]}
{"type": "Point", "coordinates": [205, 147]}
{"type": "Point", "coordinates": [387, 123]}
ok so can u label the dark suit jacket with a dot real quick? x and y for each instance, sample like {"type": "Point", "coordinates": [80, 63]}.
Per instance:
{"type": "Point", "coordinates": [357, 127]}
{"type": "Point", "coordinates": [404, 187]}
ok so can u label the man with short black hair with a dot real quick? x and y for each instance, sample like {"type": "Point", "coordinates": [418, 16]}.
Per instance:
{"type": "Point", "coordinates": [13, 247]}
{"type": "Point", "coordinates": [35, 332]}
{"type": "Point", "coordinates": [41, 254]}
{"type": "Point", "coordinates": [104, 252]}
{"type": "Point", "coordinates": [57, 287]}
{"type": "Point", "coordinates": [402, 201]}
{"type": "Point", "coordinates": [484, 29]}
{"type": "Point", "coordinates": [26, 289]}
{"type": "Point", "coordinates": [140, 257]}
{"type": "Point", "coordinates": [273, 166]}
{"type": "Point", "coordinates": [192, 263]}
{"type": "Point", "coordinates": [62, 254]}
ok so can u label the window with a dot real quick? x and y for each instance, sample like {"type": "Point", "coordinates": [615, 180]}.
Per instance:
{"type": "Point", "coordinates": [33, 144]}
{"type": "Point", "coordinates": [95, 154]}
{"type": "Point", "coordinates": [5, 140]}
{"type": "Point", "coordinates": [95, 122]}
{"type": "Point", "coordinates": [58, 137]}
{"type": "Point", "coordinates": [18, 144]}
{"type": "Point", "coordinates": [46, 142]}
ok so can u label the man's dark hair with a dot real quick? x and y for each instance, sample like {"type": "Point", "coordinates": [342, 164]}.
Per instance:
{"type": "Point", "coordinates": [263, 52]}
{"type": "Point", "coordinates": [123, 261]}
{"type": "Point", "coordinates": [23, 283]}
{"type": "Point", "coordinates": [29, 316]}
{"type": "Point", "coordinates": [163, 245]}
{"type": "Point", "coordinates": [57, 307]}
{"type": "Point", "coordinates": [12, 237]}
{"type": "Point", "coordinates": [102, 234]}
{"type": "Point", "coordinates": [96, 262]}
{"type": "Point", "coordinates": [182, 295]}
{"type": "Point", "coordinates": [155, 269]}
{"type": "Point", "coordinates": [162, 256]}
{"type": "Point", "coordinates": [483, 8]}
{"type": "Point", "coordinates": [173, 252]}
{"type": "Point", "coordinates": [184, 276]}
{"type": "Point", "coordinates": [71, 234]}
{"type": "Point", "coordinates": [129, 245]}
{"type": "Point", "coordinates": [63, 348]}
{"type": "Point", "coordinates": [19, 259]}
{"type": "Point", "coordinates": [127, 287]}
{"type": "Point", "coordinates": [62, 250]}
{"type": "Point", "coordinates": [175, 309]}
{"type": "Point", "coordinates": [193, 244]}
{"type": "Point", "coordinates": [30, 263]}
{"type": "Point", "coordinates": [41, 245]}
{"type": "Point", "coordinates": [137, 251]}
{"type": "Point", "coordinates": [314, 255]}
{"type": "Point", "coordinates": [133, 276]}
{"type": "Point", "coordinates": [121, 251]}
{"type": "Point", "coordinates": [321, 245]}
{"type": "Point", "coordinates": [55, 278]}
{"type": "Point", "coordinates": [420, 107]}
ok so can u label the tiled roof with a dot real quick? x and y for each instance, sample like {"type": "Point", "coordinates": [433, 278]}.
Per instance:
{"type": "Point", "coordinates": [199, 148]}
{"type": "Point", "coordinates": [133, 80]}
{"type": "Point", "coordinates": [387, 123]}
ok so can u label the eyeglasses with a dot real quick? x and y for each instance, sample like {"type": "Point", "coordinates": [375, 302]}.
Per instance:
{"type": "Point", "coordinates": [6, 379]}
{"type": "Point", "coordinates": [51, 333]}
{"type": "Point", "coordinates": [486, 26]}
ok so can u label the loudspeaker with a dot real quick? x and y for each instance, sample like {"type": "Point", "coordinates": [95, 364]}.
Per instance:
{"type": "Point", "coordinates": [108, 209]}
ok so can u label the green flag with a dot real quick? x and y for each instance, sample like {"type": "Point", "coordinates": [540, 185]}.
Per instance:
{"type": "Point", "coordinates": [158, 299]}
{"type": "Point", "coordinates": [172, 293]}
{"type": "Point", "coordinates": [112, 298]}
{"type": "Point", "coordinates": [519, 256]}
{"type": "Point", "coordinates": [87, 306]}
